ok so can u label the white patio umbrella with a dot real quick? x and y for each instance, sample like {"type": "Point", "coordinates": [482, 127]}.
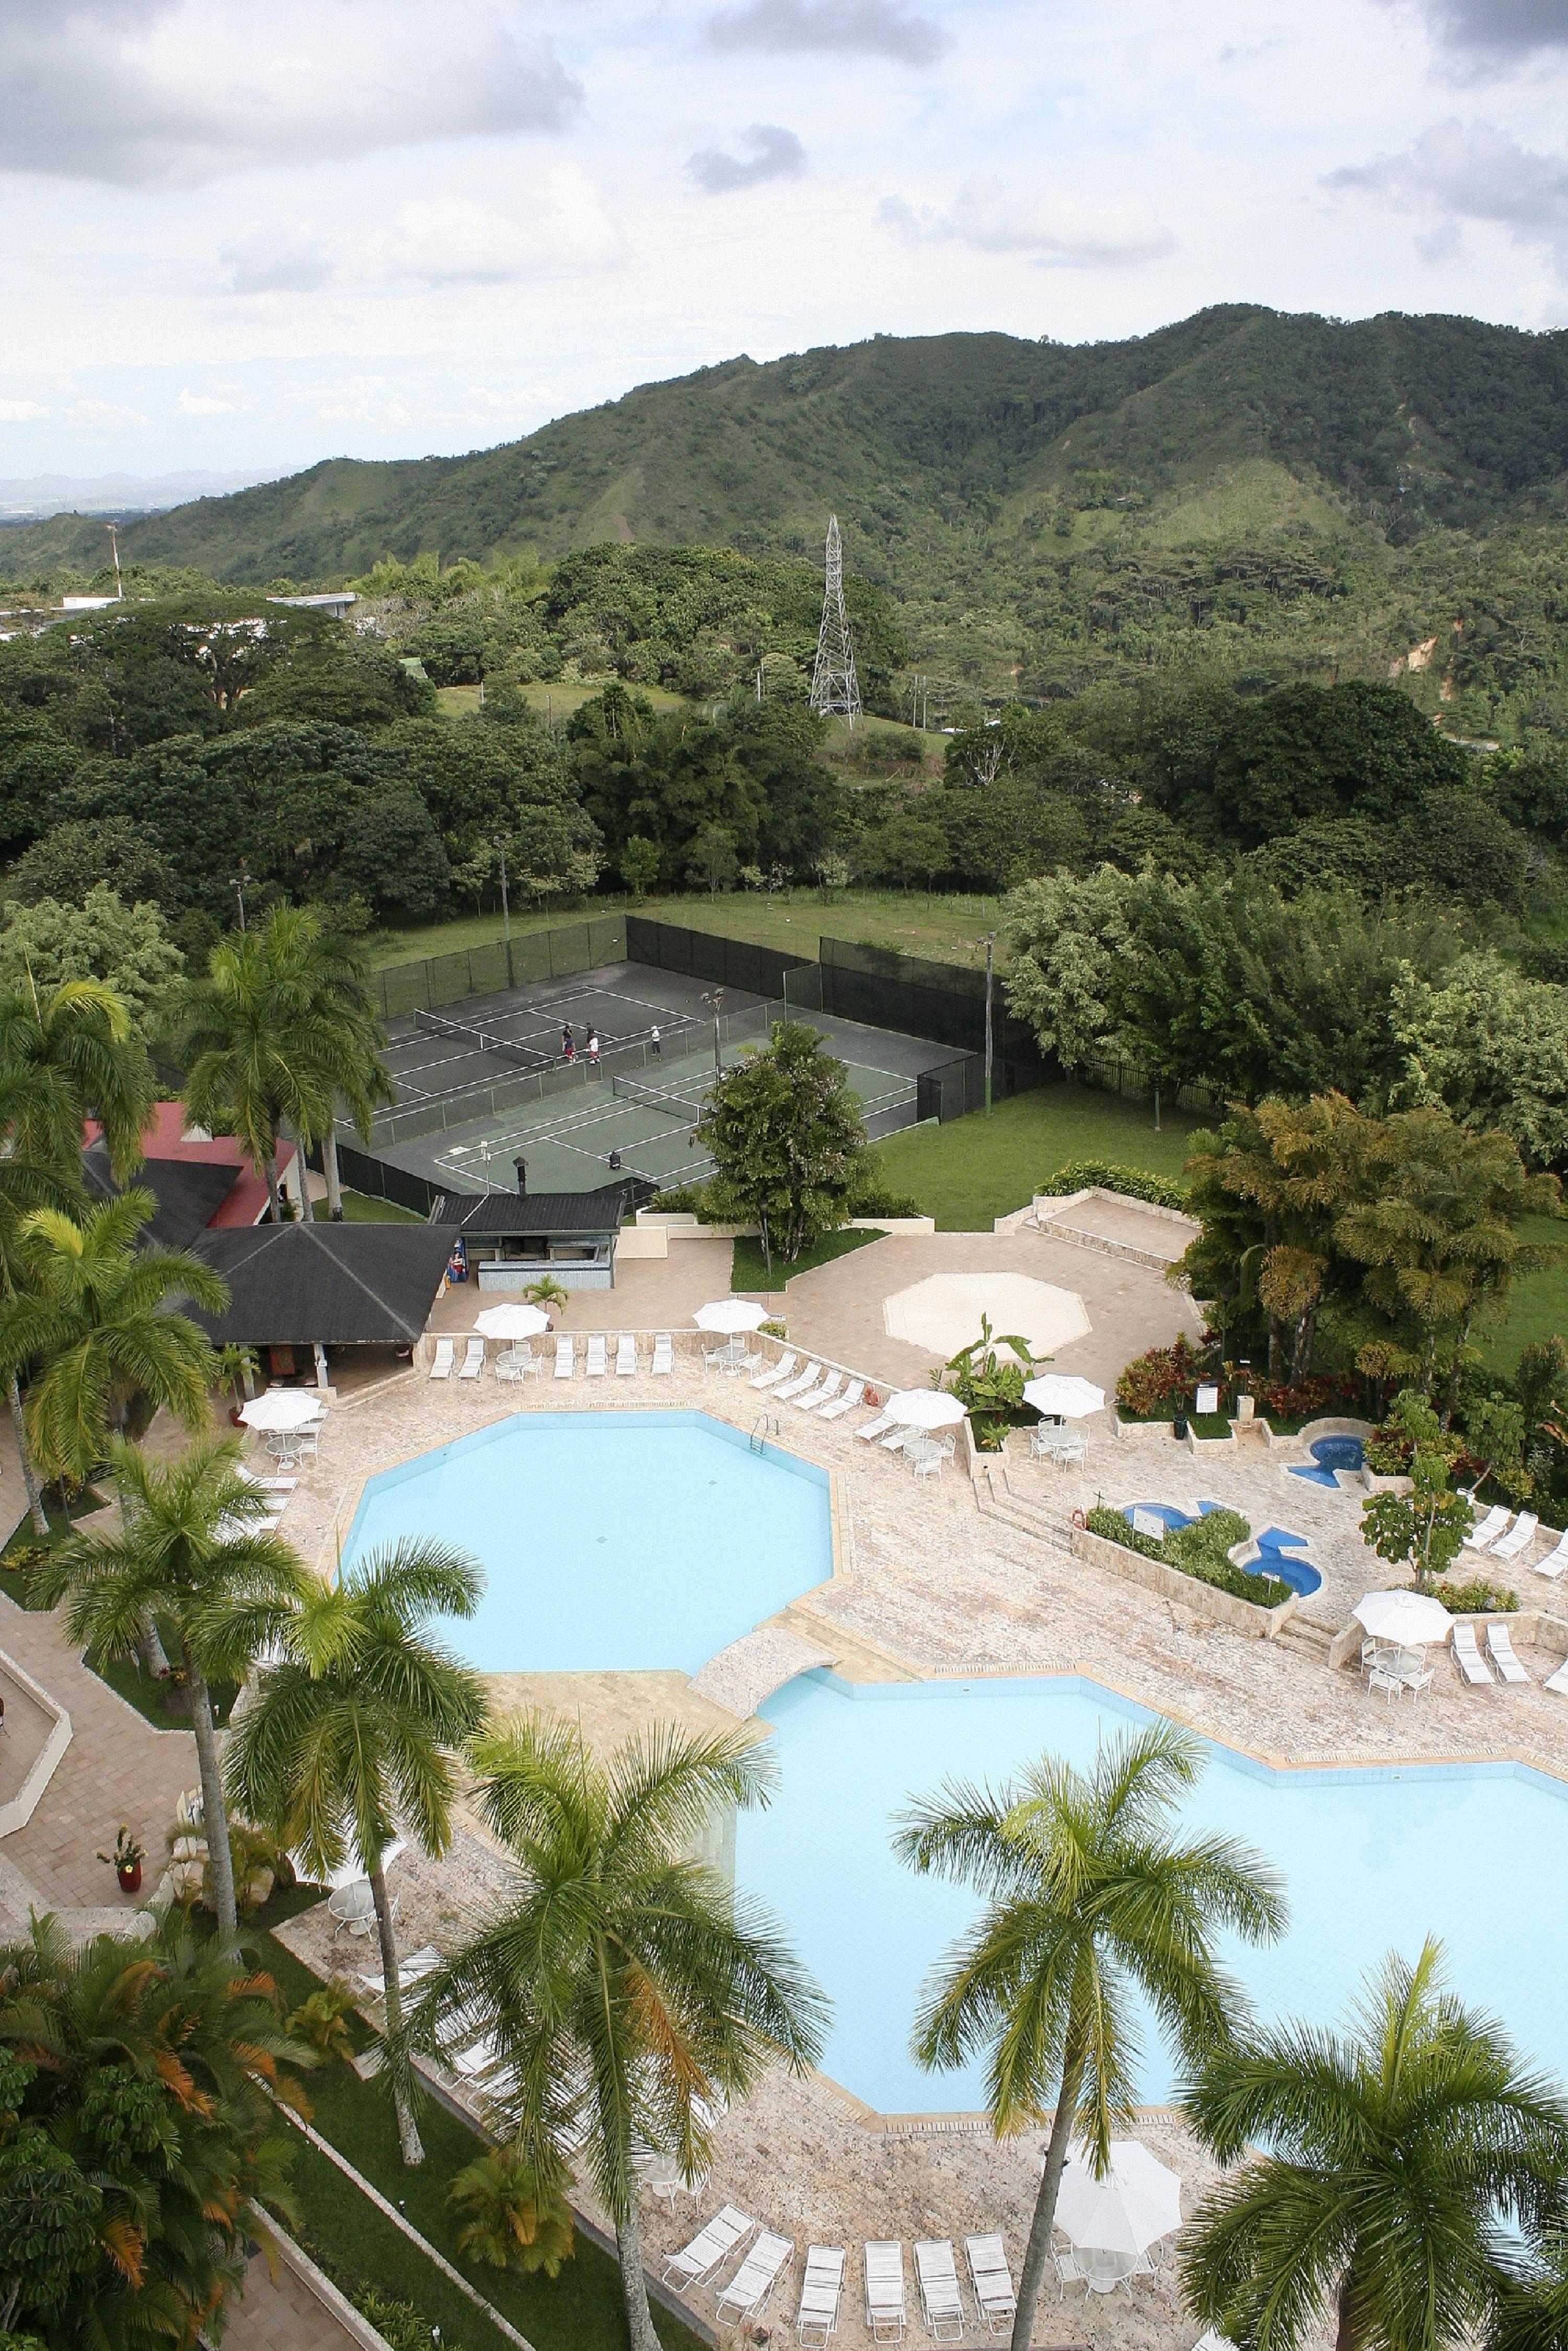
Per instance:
{"type": "Point", "coordinates": [283, 1408]}
{"type": "Point", "coordinates": [1136, 2203]}
{"type": "Point", "coordinates": [514, 1321]}
{"type": "Point", "coordinates": [925, 1409]}
{"type": "Point", "coordinates": [1062, 1396]}
{"type": "Point", "coordinates": [1408, 1618]}
{"type": "Point", "coordinates": [730, 1314]}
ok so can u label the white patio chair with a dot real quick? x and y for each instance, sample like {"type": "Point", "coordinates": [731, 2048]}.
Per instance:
{"type": "Point", "coordinates": [411, 1971]}
{"type": "Point", "coordinates": [565, 1356]}
{"type": "Point", "coordinates": [941, 2300]}
{"type": "Point", "coordinates": [1559, 1680]}
{"type": "Point", "coordinates": [474, 1359]}
{"type": "Point", "coordinates": [1069, 2272]}
{"type": "Point", "coordinates": [1468, 1658]}
{"type": "Point", "coordinates": [748, 2290]}
{"type": "Point", "coordinates": [872, 1429]}
{"type": "Point", "coordinates": [625, 1356]}
{"type": "Point", "coordinates": [597, 1365]}
{"type": "Point", "coordinates": [1499, 1649]}
{"type": "Point", "coordinates": [846, 1403]}
{"type": "Point", "coordinates": [799, 1384]}
{"type": "Point", "coordinates": [885, 2306]}
{"type": "Point", "coordinates": [1383, 1681]}
{"type": "Point", "coordinates": [1519, 1538]}
{"type": "Point", "coordinates": [1556, 1561]}
{"type": "Point", "coordinates": [777, 1371]}
{"type": "Point", "coordinates": [441, 1362]}
{"type": "Point", "coordinates": [1481, 1537]}
{"type": "Point", "coordinates": [709, 2248]}
{"type": "Point", "coordinates": [663, 1355]}
{"type": "Point", "coordinates": [814, 1400]}
{"type": "Point", "coordinates": [993, 2283]}
{"type": "Point", "coordinates": [817, 2319]}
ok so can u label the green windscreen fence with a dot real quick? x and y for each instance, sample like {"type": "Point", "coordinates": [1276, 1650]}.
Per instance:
{"type": "Point", "coordinates": [532, 957]}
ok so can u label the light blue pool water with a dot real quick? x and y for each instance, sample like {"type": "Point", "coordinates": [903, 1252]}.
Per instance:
{"type": "Point", "coordinates": [1328, 1454]}
{"type": "Point", "coordinates": [610, 1540]}
{"type": "Point", "coordinates": [1374, 1860]}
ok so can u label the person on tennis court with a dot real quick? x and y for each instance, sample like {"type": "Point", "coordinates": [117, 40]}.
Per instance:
{"type": "Point", "coordinates": [567, 1047]}
{"type": "Point", "coordinates": [593, 1049]}
{"type": "Point", "coordinates": [656, 1042]}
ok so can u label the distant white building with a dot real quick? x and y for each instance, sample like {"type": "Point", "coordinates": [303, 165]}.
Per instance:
{"type": "Point", "coordinates": [336, 601]}
{"type": "Point", "coordinates": [86, 604]}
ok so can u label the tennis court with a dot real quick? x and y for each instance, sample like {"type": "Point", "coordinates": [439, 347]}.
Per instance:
{"type": "Point", "coordinates": [488, 1081]}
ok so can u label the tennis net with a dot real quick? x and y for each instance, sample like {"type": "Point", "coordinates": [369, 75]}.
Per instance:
{"type": "Point", "coordinates": [479, 1041]}
{"type": "Point", "coordinates": [666, 1105]}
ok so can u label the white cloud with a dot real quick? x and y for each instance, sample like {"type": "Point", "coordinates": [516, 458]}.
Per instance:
{"type": "Point", "coordinates": [170, 92]}
{"type": "Point", "coordinates": [775, 154]}
{"type": "Point", "coordinates": [543, 224]}
{"type": "Point", "coordinates": [276, 259]}
{"type": "Point", "coordinates": [22, 411]}
{"type": "Point", "coordinates": [1461, 172]}
{"type": "Point", "coordinates": [103, 416]}
{"type": "Point", "coordinates": [219, 399]}
{"type": "Point", "coordinates": [874, 28]}
{"type": "Point", "coordinates": [1498, 31]}
{"type": "Point", "coordinates": [1058, 227]}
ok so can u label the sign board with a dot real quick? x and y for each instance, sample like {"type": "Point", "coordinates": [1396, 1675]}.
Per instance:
{"type": "Point", "coordinates": [1149, 1522]}
{"type": "Point", "coordinates": [1209, 1398]}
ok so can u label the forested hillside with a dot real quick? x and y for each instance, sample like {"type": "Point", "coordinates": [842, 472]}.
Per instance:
{"type": "Point", "coordinates": [1272, 496]}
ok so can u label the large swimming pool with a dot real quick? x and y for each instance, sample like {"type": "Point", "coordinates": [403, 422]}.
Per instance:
{"type": "Point", "coordinates": [610, 1540]}
{"type": "Point", "coordinates": [1373, 1860]}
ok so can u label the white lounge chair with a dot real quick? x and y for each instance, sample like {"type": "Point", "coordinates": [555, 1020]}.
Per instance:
{"type": "Point", "coordinates": [748, 2290]}
{"type": "Point", "coordinates": [846, 1403]}
{"type": "Point", "coordinates": [709, 2248]}
{"type": "Point", "coordinates": [625, 1356]}
{"type": "Point", "coordinates": [284, 1485]}
{"type": "Point", "coordinates": [1556, 1561]}
{"type": "Point", "coordinates": [771, 1377]}
{"type": "Point", "coordinates": [1214, 2340]}
{"type": "Point", "coordinates": [1559, 1680]}
{"type": "Point", "coordinates": [875, 1428]}
{"type": "Point", "coordinates": [995, 2297]}
{"type": "Point", "coordinates": [817, 1397]}
{"type": "Point", "coordinates": [818, 2317]}
{"type": "Point", "coordinates": [596, 1367]}
{"type": "Point", "coordinates": [1499, 1649]}
{"type": "Point", "coordinates": [1519, 1538]}
{"type": "Point", "coordinates": [799, 1384]}
{"type": "Point", "coordinates": [941, 2299]}
{"type": "Point", "coordinates": [663, 1353]}
{"type": "Point", "coordinates": [898, 1437]}
{"type": "Point", "coordinates": [1481, 1537]}
{"type": "Point", "coordinates": [1467, 1656]}
{"type": "Point", "coordinates": [411, 1971]}
{"type": "Point", "coordinates": [885, 2309]}
{"type": "Point", "coordinates": [472, 1361]}
{"type": "Point", "coordinates": [441, 1362]}
{"type": "Point", "coordinates": [565, 1356]}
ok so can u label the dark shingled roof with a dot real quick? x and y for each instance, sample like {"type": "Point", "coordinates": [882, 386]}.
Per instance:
{"type": "Point", "coordinates": [536, 1212]}
{"type": "Point", "coordinates": [189, 1192]}
{"type": "Point", "coordinates": [341, 1285]}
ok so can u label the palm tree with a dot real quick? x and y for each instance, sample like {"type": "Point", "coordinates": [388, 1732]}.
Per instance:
{"type": "Point", "coordinates": [99, 1318]}
{"type": "Point", "coordinates": [189, 1554]}
{"type": "Point", "coordinates": [356, 1724]}
{"type": "Point", "coordinates": [1091, 1901]}
{"type": "Point", "coordinates": [78, 1043]}
{"type": "Point", "coordinates": [1396, 2158]}
{"type": "Point", "coordinates": [281, 1028]}
{"type": "Point", "coordinates": [30, 1103]}
{"type": "Point", "coordinates": [625, 1985]}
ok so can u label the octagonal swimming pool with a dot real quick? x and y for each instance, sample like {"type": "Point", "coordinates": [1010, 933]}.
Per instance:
{"type": "Point", "coordinates": [610, 1540]}
{"type": "Point", "coordinates": [1373, 1860]}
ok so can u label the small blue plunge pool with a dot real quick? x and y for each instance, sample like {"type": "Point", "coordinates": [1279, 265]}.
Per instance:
{"type": "Point", "coordinates": [1328, 1454]}
{"type": "Point", "coordinates": [1275, 1544]}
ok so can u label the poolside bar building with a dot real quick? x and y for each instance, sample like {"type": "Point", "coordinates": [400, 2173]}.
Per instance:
{"type": "Point", "coordinates": [511, 1238]}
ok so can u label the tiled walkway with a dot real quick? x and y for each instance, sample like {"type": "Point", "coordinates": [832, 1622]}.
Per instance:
{"type": "Point", "coordinates": [281, 2313]}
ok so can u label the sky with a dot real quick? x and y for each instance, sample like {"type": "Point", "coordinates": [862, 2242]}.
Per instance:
{"type": "Point", "coordinates": [242, 238]}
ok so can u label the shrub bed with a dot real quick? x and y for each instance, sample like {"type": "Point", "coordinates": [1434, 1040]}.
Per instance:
{"type": "Point", "coordinates": [1288, 1404]}
{"type": "Point", "coordinates": [1198, 1550]}
{"type": "Point", "coordinates": [1477, 1598]}
{"type": "Point", "coordinates": [1136, 1183]}
{"type": "Point", "coordinates": [1159, 1385]}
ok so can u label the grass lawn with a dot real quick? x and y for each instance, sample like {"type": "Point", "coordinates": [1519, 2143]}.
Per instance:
{"type": "Point", "coordinates": [556, 701]}
{"type": "Point", "coordinates": [364, 1209]}
{"type": "Point", "coordinates": [1540, 1304]}
{"type": "Point", "coordinates": [578, 2311]}
{"type": "Point", "coordinates": [914, 921]}
{"type": "Point", "coordinates": [747, 1272]}
{"type": "Point", "coordinates": [975, 1169]}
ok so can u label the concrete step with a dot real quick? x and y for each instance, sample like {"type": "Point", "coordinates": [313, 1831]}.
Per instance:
{"type": "Point", "coordinates": [1312, 1640]}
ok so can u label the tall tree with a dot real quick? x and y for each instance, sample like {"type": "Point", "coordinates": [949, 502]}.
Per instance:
{"type": "Point", "coordinates": [189, 1554]}
{"type": "Point", "coordinates": [347, 1038]}
{"type": "Point", "coordinates": [625, 1984]}
{"type": "Point", "coordinates": [1091, 1900]}
{"type": "Point", "coordinates": [354, 1727]}
{"type": "Point", "coordinates": [787, 1139]}
{"type": "Point", "coordinates": [1398, 2158]}
{"type": "Point", "coordinates": [98, 1322]}
{"type": "Point", "coordinates": [77, 1040]}
{"type": "Point", "coordinates": [134, 2133]}
{"type": "Point", "coordinates": [32, 1176]}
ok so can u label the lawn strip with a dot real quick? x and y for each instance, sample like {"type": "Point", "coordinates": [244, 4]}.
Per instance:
{"type": "Point", "coordinates": [975, 1169]}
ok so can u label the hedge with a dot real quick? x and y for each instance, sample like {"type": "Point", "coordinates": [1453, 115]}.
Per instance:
{"type": "Point", "coordinates": [1085, 1174]}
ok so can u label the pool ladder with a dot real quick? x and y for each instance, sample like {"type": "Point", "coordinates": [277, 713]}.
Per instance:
{"type": "Point", "coordinates": [766, 1426]}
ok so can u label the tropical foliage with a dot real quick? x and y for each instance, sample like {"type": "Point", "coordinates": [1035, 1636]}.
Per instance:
{"type": "Point", "coordinates": [786, 1140]}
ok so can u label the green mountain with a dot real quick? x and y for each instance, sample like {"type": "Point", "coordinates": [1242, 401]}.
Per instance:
{"type": "Point", "coordinates": [1288, 495]}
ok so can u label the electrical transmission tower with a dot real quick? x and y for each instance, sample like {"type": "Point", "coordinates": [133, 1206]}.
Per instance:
{"type": "Point", "coordinates": [833, 683]}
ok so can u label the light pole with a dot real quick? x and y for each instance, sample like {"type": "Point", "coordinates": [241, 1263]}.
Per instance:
{"type": "Point", "coordinates": [502, 838]}
{"type": "Point", "coordinates": [716, 1004]}
{"type": "Point", "coordinates": [989, 944]}
{"type": "Point", "coordinates": [237, 884]}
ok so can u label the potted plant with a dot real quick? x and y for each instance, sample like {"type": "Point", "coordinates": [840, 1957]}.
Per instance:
{"type": "Point", "coordinates": [126, 1860]}
{"type": "Point", "coordinates": [546, 1292]}
{"type": "Point", "coordinates": [236, 1373]}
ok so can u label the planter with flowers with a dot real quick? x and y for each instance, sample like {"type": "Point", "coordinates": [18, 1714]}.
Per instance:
{"type": "Point", "coordinates": [126, 1860]}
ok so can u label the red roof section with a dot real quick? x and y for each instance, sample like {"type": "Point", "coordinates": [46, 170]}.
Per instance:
{"type": "Point", "coordinates": [164, 1138]}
